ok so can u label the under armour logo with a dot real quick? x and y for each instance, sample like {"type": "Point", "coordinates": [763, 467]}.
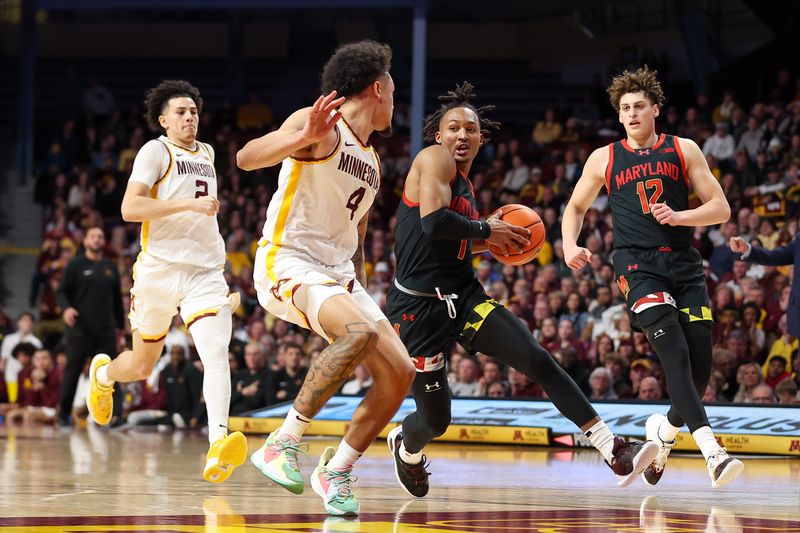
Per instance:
{"type": "Point", "coordinates": [659, 333]}
{"type": "Point", "coordinates": [644, 152]}
{"type": "Point", "coordinates": [434, 387]}
{"type": "Point", "coordinates": [409, 317]}
{"type": "Point", "coordinates": [635, 266]}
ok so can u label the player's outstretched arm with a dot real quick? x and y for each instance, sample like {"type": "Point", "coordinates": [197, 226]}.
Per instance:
{"type": "Point", "coordinates": [584, 194]}
{"type": "Point", "coordinates": [302, 134]}
{"type": "Point", "coordinates": [715, 208]}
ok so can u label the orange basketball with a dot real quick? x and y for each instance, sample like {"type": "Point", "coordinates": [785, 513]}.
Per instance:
{"type": "Point", "coordinates": [520, 215]}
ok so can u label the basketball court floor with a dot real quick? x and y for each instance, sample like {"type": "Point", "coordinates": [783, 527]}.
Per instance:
{"type": "Point", "coordinates": [98, 480]}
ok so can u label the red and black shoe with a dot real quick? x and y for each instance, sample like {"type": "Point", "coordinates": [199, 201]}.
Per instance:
{"type": "Point", "coordinates": [413, 478]}
{"type": "Point", "coordinates": [629, 459]}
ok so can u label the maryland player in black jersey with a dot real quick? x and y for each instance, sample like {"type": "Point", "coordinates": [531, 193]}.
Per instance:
{"type": "Point", "coordinates": [436, 299]}
{"type": "Point", "coordinates": [648, 178]}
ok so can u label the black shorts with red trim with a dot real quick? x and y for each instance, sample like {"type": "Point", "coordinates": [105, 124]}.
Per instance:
{"type": "Point", "coordinates": [425, 327]}
{"type": "Point", "coordinates": [663, 276]}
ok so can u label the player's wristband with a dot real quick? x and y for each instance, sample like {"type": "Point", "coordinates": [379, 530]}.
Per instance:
{"type": "Point", "coordinates": [446, 224]}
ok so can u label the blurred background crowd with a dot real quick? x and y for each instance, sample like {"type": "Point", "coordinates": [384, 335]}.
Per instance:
{"type": "Point", "coordinates": [752, 147]}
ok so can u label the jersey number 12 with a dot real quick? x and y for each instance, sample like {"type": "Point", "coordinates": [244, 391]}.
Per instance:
{"type": "Point", "coordinates": [654, 183]}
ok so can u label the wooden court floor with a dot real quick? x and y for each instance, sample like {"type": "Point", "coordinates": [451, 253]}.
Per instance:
{"type": "Point", "coordinates": [99, 480]}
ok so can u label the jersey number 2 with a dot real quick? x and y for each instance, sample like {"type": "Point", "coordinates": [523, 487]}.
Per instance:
{"type": "Point", "coordinates": [355, 200]}
{"type": "Point", "coordinates": [654, 183]}
{"type": "Point", "coordinates": [202, 188]}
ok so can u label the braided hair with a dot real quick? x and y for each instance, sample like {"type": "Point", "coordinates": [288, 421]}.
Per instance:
{"type": "Point", "coordinates": [460, 97]}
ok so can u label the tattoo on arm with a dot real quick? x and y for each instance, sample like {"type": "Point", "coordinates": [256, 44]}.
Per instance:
{"type": "Point", "coordinates": [333, 366]}
{"type": "Point", "coordinates": [358, 263]}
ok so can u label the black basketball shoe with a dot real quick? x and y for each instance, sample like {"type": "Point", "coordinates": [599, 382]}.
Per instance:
{"type": "Point", "coordinates": [413, 478]}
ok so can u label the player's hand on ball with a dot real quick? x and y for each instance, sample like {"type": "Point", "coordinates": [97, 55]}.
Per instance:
{"type": "Point", "coordinates": [665, 215]}
{"type": "Point", "coordinates": [577, 257]}
{"type": "Point", "coordinates": [507, 236]}
{"type": "Point", "coordinates": [320, 121]}
{"type": "Point", "coordinates": [207, 205]}
{"type": "Point", "coordinates": [739, 245]}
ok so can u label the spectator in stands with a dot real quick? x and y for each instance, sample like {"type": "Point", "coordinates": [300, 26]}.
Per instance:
{"type": "Point", "coordinates": [254, 115]}
{"type": "Point", "coordinates": [547, 130]}
{"type": "Point", "coordinates": [498, 389]}
{"type": "Point", "coordinates": [618, 366]}
{"type": "Point", "coordinates": [748, 376]}
{"type": "Point", "coordinates": [183, 383]}
{"type": "Point", "coordinates": [600, 381]}
{"type": "Point", "coordinates": [522, 386]}
{"type": "Point", "coordinates": [776, 370]}
{"type": "Point", "coordinates": [38, 392]}
{"type": "Point", "coordinates": [640, 369]}
{"type": "Point", "coordinates": [467, 382]}
{"type": "Point", "coordinates": [249, 384]}
{"type": "Point", "coordinates": [284, 385]}
{"type": "Point", "coordinates": [516, 177]}
{"type": "Point", "coordinates": [786, 391]}
{"type": "Point", "coordinates": [649, 389]}
{"type": "Point", "coordinates": [97, 100]}
{"type": "Point", "coordinates": [11, 365]}
{"type": "Point", "coordinates": [720, 145]}
{"type": "Point", "coordinates": [763, 394]}
{"type": "Point", "coordinates": [491, 372]}
{"type": "Point", "coordinates": [750, 140]}
{"type": "Point", "coordinates": [724, 111]}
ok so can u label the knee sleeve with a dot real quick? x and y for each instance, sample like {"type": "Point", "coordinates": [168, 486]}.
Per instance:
{"type": "Point", "coordinates": [670, 342]}
{"type": "Point", "coordinates": [432, 417]}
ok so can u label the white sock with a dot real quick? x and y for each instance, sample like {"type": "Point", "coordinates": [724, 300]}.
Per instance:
{"type": "Point", "coordinates": [294, 425]}
{"type": "Point", "coordinates": [344, 458]}
{"type": "Point", "coordinates": [706, 441]}
{"type": "Point", "coordinates": [212, 335]}
{"type": "Point", "coordinates": [667, 432]}
{"type": "Point", "coordinates": [101, 376]}
{"type": "Point", "coordinates": [602, 439]}
{"type": "Point", "coordinates": [408, 457]}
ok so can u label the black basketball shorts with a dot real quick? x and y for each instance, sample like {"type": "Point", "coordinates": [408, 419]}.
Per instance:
{"type": "Point", "coordinates": [650, 277]}
{"type": "Point", "coordinates": [425, 327]}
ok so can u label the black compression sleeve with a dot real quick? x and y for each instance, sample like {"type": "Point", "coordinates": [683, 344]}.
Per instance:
{"type": "Point", "coordinates": [447, 224]}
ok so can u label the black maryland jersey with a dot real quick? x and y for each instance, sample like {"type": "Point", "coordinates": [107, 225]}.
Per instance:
{"type": "Point", "coordinates": [424, 264]}
{"type": "Point", "coordinates": [636, 178]}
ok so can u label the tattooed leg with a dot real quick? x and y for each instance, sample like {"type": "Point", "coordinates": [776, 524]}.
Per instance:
{"type": "Point", "coordinates": [334, 365]}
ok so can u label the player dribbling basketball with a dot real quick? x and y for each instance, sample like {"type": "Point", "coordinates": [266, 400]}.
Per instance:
{"type": "Point", "coordinates": [436, 298]}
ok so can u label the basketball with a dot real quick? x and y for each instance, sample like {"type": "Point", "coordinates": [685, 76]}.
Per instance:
{"type": "Point", "coordinates": [520, 215]}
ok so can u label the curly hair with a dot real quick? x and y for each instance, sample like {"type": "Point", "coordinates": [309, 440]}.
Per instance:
{"type": "Point", "coordinates": [353, 66]}
{"type": "Point", "coordinates": [158, 97]}
{"type": "Point", "coordinates": [460, 97]}
{"type": "Point", "coordinates": [643, 80]}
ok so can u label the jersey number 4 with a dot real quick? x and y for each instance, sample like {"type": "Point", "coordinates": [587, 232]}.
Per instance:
{"type": "Point", "coordinates": [654, 183]}
{"type": "Point", "coordinates": [355, 200]}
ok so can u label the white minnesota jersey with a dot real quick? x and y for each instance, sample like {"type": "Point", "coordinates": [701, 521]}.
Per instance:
{"type": "Point", "coordinates": [173, 172]}
{"type": "Point", "coordinates": [316, 210]}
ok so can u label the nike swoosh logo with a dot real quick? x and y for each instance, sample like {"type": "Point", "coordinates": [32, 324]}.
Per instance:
{"type": "Point", "coordinates": [349, 144]}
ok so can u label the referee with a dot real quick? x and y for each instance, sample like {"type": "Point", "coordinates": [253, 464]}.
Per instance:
{"type": "Point", "coordinates": [89, 294]}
